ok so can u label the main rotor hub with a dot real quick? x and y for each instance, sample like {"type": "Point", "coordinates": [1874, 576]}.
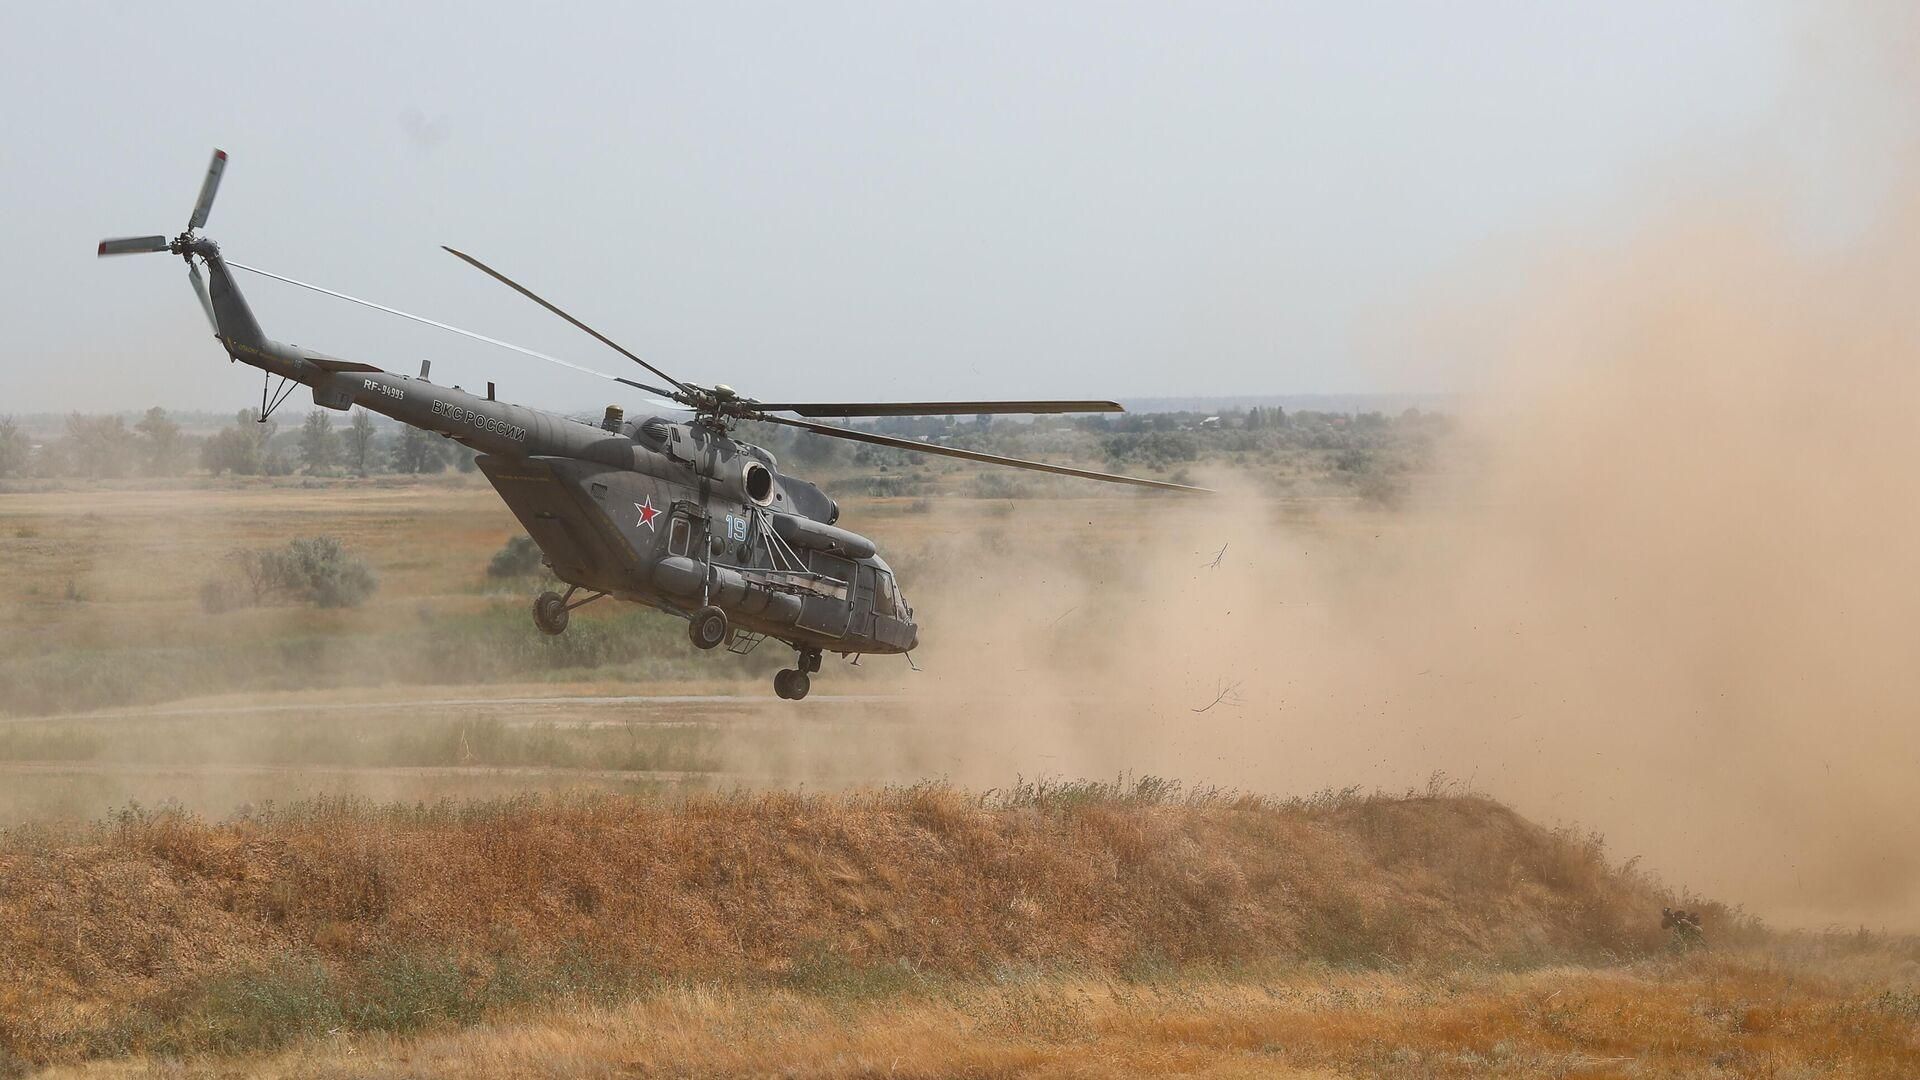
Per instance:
{"type": "Point", "coordinates": [718, 407]}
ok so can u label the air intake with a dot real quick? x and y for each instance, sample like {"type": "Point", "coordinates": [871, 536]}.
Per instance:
{"type": "Point", "coordinates": [656, 430]}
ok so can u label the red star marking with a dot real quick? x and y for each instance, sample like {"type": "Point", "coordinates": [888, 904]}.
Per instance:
{"type": "Point", "coordinates": [647, 513]}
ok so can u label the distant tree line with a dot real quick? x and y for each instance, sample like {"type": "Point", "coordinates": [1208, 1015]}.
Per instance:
{"type": "Point", "coordinates": [107, 447]}
{"type": "Point", "coordinates": [1347, 442]}
{"type": "Point", "coordinates": [1370, 453]}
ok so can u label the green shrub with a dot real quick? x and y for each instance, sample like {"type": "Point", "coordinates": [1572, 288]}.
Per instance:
{"type": "Point", "coordinates": [519, 558]}
{"type": "Point", "coordinates": [319, 570]}
{"type": "Point", "coordinates": [259, 1010]}
{"type": "Point", "coordinates": [402, 992]}
{"type": "Point", "coordinates": [313, 569]}
{"type": "Point", "coordinates": [817, 967]}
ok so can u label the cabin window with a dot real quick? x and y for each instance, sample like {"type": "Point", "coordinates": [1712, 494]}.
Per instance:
{"type": "Point", "coordinates": [677, 536]}
{"type": "Point", "coordinates": [831, 566]}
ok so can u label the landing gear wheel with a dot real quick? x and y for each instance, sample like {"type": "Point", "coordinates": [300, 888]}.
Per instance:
{"type": "Point", "coordinates": [550, 613]}
{"type": "Point", "coordinates": [791, 684]}
{"type": "Point", "coordinates": [708, 629]}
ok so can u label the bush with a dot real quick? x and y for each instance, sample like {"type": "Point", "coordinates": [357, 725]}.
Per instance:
{"type": "Point", "coordinates": [1156, 449]}
{"type": "Point", "coordinates": [259, 1010]}
{"type": "Point", "coordinates": [319, 570]}
{"type": "Point", "coordinates": [519, 558]}
{"type": "Point", "coordinates": [314, 569]}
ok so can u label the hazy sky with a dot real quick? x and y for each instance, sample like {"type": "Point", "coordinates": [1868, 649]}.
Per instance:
{"type": "Point", "coordinates": [889, 200]}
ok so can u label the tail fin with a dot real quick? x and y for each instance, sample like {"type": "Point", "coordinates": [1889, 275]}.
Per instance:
{"type": "Point", "coordinates": [233, 320]}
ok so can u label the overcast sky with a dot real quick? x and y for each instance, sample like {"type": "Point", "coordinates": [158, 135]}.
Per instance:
{"type": "Point", "coordinates": [886, 200]}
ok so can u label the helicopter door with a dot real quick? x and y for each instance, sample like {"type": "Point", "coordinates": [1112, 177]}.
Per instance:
{"type": "Point", "coordinates": [826, 614]}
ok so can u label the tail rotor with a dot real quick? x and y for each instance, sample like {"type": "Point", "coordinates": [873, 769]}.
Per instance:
{"type": "Point", "coordinates": [183, 245]}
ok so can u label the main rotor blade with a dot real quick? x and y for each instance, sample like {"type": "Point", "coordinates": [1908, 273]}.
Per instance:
{"type": "Point", "coordinates": [208, 188]}
{"type": "Point", "coordinates": [938, 408]}
{"type": "Point", "coordinates": [200, 290]}
{"type": "Point", "coordinates": [444, 326]}
{"type": "Point", "coordinates": [975, 455]}
{"type": "Point", "coordinates": [597, 335]}
{"type": "Point", "coordinates": [132, 245]}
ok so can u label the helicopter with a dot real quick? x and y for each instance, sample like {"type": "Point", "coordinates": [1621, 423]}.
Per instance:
{"type": "Point", "coordinates": [675, 514]}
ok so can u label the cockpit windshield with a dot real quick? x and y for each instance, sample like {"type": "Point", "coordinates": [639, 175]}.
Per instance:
{"type": "Point", "coordinates": [887, 599]}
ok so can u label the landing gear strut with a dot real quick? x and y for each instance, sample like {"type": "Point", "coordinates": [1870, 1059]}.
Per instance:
{"type": "Point", "coordinates": [792, 683]}
{"type": "Point", "coordinates": [550, 609]}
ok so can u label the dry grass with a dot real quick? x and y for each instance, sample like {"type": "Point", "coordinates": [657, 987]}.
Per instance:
{"type": "Point", "coordinates": [161, 932]}
{"type": "Point", "coordinates": [108, 577]}
{"type": "Point", "coordinates": [1743, 1015]}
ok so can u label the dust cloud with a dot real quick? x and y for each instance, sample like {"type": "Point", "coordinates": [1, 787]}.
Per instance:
{"type": "Point", "coordinates": [1669, 591]}
{"type": "Point", "coordinates": [1666, 586]}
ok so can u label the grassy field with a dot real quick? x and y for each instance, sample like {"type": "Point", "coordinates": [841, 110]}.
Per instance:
{"type": "Point", "coordinates": [1792, 1012]}
{"type": "Point", "coordinates": [101, 586]}
{"type": "Point", "coordinates": [104, 587]}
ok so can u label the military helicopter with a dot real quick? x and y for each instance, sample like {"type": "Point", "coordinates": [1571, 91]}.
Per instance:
{"type": "Point", "coordinates": [676, 514]}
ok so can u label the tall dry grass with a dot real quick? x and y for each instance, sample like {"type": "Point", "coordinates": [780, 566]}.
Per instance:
{"type": "Point", "coordinates": [1751, 1014]}
{"type": "Point", "coordinates": [161, 932]}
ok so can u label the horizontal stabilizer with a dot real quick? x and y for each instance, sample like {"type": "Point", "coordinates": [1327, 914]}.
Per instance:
{"type": "Point", "coordinates": [334, 363]}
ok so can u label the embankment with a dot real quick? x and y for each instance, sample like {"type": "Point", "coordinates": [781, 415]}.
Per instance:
{"type": "Point", "coordinates": [162, 932]}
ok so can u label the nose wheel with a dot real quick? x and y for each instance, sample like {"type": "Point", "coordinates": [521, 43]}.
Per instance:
{"type": "Point", "coordinates": [790, 684]}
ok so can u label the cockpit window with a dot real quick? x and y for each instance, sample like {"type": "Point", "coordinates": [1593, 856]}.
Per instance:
{"type": "Point", "coordinates": [885, 600]}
